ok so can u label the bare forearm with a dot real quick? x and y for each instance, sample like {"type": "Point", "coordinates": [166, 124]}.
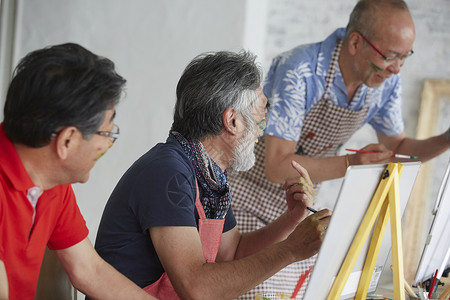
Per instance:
{"type": "Point", "coordinates": [257, 240]}
{"type": "Point", "coordinates": [107, 283]}
{"type": "Point", "coordinates": [180, 254]}
{"type": "Point", "coordinates": [319, 169]}
{"type": "Point", "coordinates": [424, 149]}
{"type": "Point", "coordinates": [90, 274]}
{"type": "Point", "coordinates": [228, 280]}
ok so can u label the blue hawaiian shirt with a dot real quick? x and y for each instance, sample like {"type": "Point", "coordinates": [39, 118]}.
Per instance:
{"type": "Point", "coordinates": [296, 81]}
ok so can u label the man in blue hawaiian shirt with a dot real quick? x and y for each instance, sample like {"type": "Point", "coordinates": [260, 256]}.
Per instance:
{"type": "Point", "coordinates": [320, 95]}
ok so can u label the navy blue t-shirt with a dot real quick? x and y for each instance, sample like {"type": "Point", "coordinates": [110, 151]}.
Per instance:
{"type": "Point", "coordinates": [157, 190]}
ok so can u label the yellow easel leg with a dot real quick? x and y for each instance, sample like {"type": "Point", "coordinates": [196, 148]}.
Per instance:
{"type": "Point", "coordinates": [373, 251]}
{"type": "Point", "coordinates": [396, 240]}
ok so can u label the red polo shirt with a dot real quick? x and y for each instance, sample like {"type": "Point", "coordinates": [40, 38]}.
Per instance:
{"type": "Point", "coordinates": [58, 222]}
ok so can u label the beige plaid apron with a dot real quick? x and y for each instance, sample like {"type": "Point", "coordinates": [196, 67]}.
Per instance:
{"type": "Point", "coordinates": [257, 202]}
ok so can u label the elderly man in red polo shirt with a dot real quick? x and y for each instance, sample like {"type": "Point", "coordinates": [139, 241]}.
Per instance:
{"type": "Point", "coordinates": [58, 121]}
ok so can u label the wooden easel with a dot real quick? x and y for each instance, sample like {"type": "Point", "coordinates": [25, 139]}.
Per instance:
{"type": "Point", "coordinates": [384, 203]}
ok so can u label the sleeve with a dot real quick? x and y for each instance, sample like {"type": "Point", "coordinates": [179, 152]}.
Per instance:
{"type": "Point", "coordinates": [388, 119]}
{"type": "Point", "coordinates": [70, 227]}
{"type": "Point", "coordinates": [285, 87]}
{"type": "Point", "coordinates": [164, 194]}
{"type": "Point", "coordinates": [230, 221]}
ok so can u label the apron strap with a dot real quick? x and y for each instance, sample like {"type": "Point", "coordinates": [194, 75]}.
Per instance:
{"type": "Point", "coordinates": [332, 70]}
{"type": "Point", "coordinates": [198, 204]}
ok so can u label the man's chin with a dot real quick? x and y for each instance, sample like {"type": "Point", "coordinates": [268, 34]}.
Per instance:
{"type": "Point", "coordinates": [84, 179]}
{"type": "Point", "coordinates": [242, 167]}
{"type": "Point", "coordinates": [245, 160]}
{"type": "Point", "coordinates": [376, 81]}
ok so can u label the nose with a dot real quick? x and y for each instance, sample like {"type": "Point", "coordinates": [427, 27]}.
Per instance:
{"type": "Point", "coordinates": [395, 66]}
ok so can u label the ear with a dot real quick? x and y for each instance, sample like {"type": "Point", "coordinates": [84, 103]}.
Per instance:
{"type": "Point", "coordinates": [355, 43]}
{"type": "Point", "coordinates": [66, 141]}
{"type": "Point", "coordinates": [229, 120]}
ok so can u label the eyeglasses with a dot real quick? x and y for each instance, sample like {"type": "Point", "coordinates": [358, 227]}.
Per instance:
{"type": "Point", "coordinates": [387, 59]}
{"type": "Point", "coordinates": [262, 124]}
{"type": "Point", "coordinates": [114, 134]}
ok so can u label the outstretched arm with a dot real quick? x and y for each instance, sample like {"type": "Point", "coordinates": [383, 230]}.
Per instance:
{"type": "Point", "coordinates": [280, 152]}
{"type": "Point", "coordinates": [242, 262]}
{"type": "Point", "coordinates": [180, 252]}
{"type": "Point", "coordinates": [90, 274]}
{"type": "Point", "coordinates": [424, 149]}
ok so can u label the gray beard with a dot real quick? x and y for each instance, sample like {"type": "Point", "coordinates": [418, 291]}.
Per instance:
{"type": "Point", "coordinates": [244, 155]}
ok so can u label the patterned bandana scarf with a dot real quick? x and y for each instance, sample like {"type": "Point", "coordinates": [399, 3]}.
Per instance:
{"type": "Point", "coordinates": [215, 196]}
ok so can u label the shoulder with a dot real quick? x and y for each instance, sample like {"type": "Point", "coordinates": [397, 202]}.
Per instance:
{"type": "Point", "coordinates": [290, 69]}
{"type": "Point", "coordinates": [296, 57]}
{"type": "Point", "coordinates": [162, 167]}
{"type": "Point", "coordinates": [163, 158]}
{"type": "Point", "coordinates": [311, 53]}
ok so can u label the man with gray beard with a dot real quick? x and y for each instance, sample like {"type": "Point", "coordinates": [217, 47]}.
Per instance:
{"type": "Point", "coordinates": [170, 218]}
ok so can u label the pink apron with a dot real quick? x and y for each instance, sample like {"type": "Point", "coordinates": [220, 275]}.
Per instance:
{"type": "Point", "coordinates": [210, 231]}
